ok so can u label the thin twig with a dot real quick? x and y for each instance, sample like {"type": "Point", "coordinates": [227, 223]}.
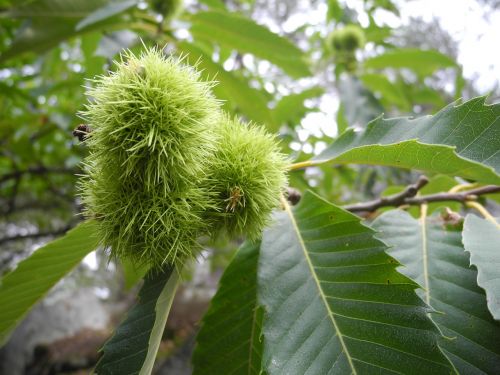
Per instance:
{"type": "Point", "coordinates": [394, 200]}
{"type": "Point", "coordinates": [408, 197]}
{"type": "Point", "coordinates": [304, 164]}
{"type": "Point", "coordinates": [465, 196]}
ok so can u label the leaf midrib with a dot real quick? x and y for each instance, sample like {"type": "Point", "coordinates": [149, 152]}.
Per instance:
{"type": "Point", "coordinates": [425, 258]}
{"type": "Point", "coordinates": [318, 284]}
{"type": "Point", "coordinates": [252, 333]}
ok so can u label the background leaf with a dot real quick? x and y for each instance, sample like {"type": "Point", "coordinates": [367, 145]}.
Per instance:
{"type": "Point", "coordinates": [334, 302]}
{"type": "Point", "coordinates": [242, 34]}
{"type": "Point", "coordinates": [422, 62]}
{"type": "Point", "coordinates": [434, 257]}
{"type": "Point", "coordinates": [132, 273]}
{"type": "Point", "coordinates": [215, 4]}
{"type": "Point", "coordinates": [453, 142]}
{"type": "Point", "coordinates": [481, 238]}
{"type": "Point", "coordinates": [111, 9]}
{"type": "Point", "coordinates": [133, 347]}
{"type": "Point", "coordinates": [229, 341]}
{"type": "Point", "coordinates": [36, 275]}
{"type": "Point", "coordinates": [342, 123]}
{"type": "Point", "coordinates": [391, 92]}
{"type": "Point", "coordinates": [291, 108]}
{"type": "Point", "coordinates": [48, 22]}
{"type": "Point", "coordinates": [359, 105]}
{"type": "Point", "coordinates": [236, 93]}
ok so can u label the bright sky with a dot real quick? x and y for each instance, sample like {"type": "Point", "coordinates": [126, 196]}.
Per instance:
{"type": "Point", "coordinates": [477, 36]}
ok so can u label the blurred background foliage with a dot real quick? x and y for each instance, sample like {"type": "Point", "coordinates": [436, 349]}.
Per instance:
{"type": "Point", "coordinates": [306, 70]}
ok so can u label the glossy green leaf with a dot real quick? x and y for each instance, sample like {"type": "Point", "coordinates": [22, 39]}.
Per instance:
{"type": "Point", "coordinates": [460, 140]}
{"type": "Point", "coordinates": [133, 347]}
{"type": "Point", "coordinates": [229, 341]}
{"type": "Point", "coordinates": [109, 10]}
{"type": "Point", "coordinates": [36, 275]}
{"type": "Point", "coordinates": [481, 238]}
{"type": "Point", "coordinates": [434, 257]}
{"type": "Point", "coordinates": [422, 62]}
{"type": "Point", "coordinates": [243, 34]}
{"type": "Point", "coordinates": [334, 302]}
{"type": "Point", "coordinates": [234, 91]}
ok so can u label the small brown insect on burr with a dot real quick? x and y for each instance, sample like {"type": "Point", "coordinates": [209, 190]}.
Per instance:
{"type": "Point", "coordinates": [82, 132]}
{"type": "Point", "coordinates": [236, 198]}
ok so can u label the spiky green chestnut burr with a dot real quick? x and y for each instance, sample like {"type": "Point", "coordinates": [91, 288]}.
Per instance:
{"type": "Point", "coordinates": [347, 39]}
{"type": "Point", "coordinates": [247, 177]}
{"type": "Point", "coordinates": [149, 151]}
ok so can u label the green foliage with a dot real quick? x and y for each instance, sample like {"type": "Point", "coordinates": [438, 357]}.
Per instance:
{"type": "Point", "coordinates": [235, 92]}
{"type": "Point", "coordinates": [149, 150]}
{"type": "Point", "coordinates": [52, 21]}
{"type": "Point", "coordinates": [335, 302]}
{"type": "Point", "coordinates": [422, 62]}
{"type": "Point", "coordinates": [359, 105]}
{"type": "Point", "coordinates": [461, 140]}
{"type": "Point", "coordinates": [291, 108]}
{"type": "Point", "coordinates": [35, 276]}
{"type": "Point", "coordinates": [481, 239]}
{"type": "Point", "coordinates": [233, 31]}
{"type": "Point", "coordinates": [392, 93]}
{"type": "Point", "coordinates": [229, 341]}
{"type": "Point", "coordinates": [169, 9]}
{"type": "Point", "coordinates": [433, 255]}
{"type": "Point", "coordinates": [133, 347]}
{"type": "Point", "coordinates": [247, 176]}
{"type": "Point", "coordinates": [318, 294]}
{"type": "Point", "coordinates": [105, 12]}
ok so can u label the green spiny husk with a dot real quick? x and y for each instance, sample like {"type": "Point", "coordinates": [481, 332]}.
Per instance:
{"type": "Point", "coordinates": [165, 166]}
{"type": "Point", "coordinates": [247, 177]}
{"type": "Point", "coordinates": [149, 151]}
{"type": "Point", "coordinates": [347, 39]}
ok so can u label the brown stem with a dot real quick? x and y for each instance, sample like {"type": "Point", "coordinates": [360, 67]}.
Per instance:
{"type": "Point", "coordinates": [393, 200]}
{"type": "Point", "coordinates": [408, 197]}
{"type": "Point", "coordinates": [468, 195]}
